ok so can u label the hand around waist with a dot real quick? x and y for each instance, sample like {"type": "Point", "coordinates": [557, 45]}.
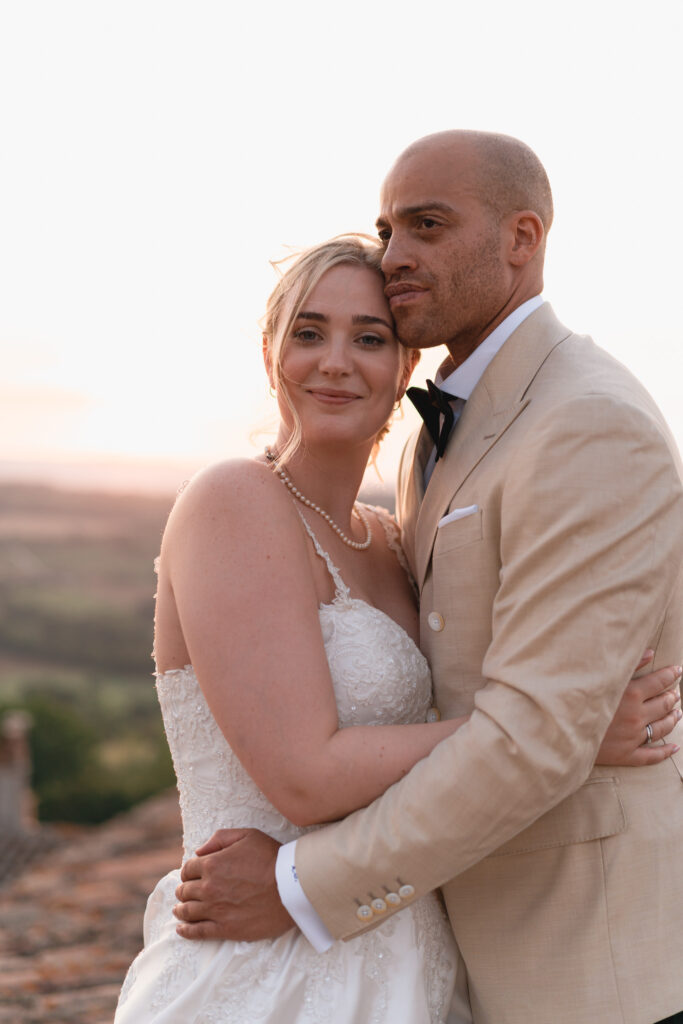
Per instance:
{"type": "Point", "coordinates": [228, 889]}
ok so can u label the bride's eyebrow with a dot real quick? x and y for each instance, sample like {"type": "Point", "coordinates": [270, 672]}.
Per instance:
{"type": "Point", "coordinates": [364, 318]}
{"type": "Point", "coordinates": [357, 318]}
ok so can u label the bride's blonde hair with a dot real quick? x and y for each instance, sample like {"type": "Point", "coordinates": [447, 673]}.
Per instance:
{"type": "Point", "coordinates": [286, 300]}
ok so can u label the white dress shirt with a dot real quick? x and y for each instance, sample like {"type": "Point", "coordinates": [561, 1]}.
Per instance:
{"type": "Point", "coordinates": [461, 383]}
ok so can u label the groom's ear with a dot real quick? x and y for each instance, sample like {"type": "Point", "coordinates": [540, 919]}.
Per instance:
{"type": "Point", "coordinates": [524, 234]}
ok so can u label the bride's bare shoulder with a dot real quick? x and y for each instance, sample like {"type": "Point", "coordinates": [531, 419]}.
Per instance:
{"type": "Point", "coordinates": [230, 478]}
{"type": "Point", "coordinates": [234, 494]}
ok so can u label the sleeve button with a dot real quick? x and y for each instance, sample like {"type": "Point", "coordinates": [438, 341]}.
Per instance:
{"type": "Point", "coordinates": [364, 912]}
{"type": "Point", "coordinates": [406, 892]}
{"type": "Point", "coordinates": [378, 906]}
{"type": "Point", "coordinates": [393, 899]}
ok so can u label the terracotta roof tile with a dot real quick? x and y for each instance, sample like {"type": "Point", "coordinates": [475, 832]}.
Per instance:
{"type": "Point", "coordinates": [71, 924]}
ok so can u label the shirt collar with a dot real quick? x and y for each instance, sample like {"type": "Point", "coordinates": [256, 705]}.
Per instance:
{"type": "Point", "coordinates": [462, 382]}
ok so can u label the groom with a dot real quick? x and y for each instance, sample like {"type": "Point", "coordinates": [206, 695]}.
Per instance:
{"type": "Point", "coordinates": [543, 516]}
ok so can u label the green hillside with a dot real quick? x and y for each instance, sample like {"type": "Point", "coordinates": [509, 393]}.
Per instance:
{"type": "Point", "coordinates": [76, 607]}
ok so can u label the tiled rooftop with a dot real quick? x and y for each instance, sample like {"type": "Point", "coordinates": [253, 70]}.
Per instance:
{"type": "Point", "coordinates": [72, 922]}
{"type": "Point", "coordinates": [18, 850]}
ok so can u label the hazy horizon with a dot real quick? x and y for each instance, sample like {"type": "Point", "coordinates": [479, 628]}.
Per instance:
{"type": "Point", "coordinates": [141, 209]}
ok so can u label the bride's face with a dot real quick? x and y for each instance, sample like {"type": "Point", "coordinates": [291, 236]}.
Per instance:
{"type": "Point", "coordinates": [341, 364]}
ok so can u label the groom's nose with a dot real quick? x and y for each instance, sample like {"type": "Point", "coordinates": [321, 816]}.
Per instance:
{"type": "Point", "coordinates": [398, 255]}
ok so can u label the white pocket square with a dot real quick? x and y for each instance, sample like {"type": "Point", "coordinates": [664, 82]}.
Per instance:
{"type": "Point", "coordinates": [457, 513]}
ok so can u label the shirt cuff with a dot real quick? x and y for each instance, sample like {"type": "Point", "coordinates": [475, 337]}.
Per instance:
{"type": "Point", "coordinates": [296, 902]}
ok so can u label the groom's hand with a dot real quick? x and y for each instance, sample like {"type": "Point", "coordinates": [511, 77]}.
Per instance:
{"type": "Point", "coordinates": [228, 890]}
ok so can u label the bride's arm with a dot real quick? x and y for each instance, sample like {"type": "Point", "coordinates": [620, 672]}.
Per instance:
{"type": "Point", "coordinates": [235, 559]}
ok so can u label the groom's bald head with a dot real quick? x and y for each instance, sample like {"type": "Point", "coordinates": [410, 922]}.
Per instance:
{"type": "Point", "coordinates": [506, 174]}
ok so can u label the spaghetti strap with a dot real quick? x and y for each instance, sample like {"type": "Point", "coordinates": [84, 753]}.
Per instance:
{"type": "Point", "coordinates": [341, 591]}
{"type": "Point", "coordinates": [392, 533]}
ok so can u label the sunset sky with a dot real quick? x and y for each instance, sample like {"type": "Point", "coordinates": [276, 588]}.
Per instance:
{"type": "Point", "coordinates": [156, 155]}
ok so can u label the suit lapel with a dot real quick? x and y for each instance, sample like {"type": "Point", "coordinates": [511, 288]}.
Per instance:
{"type": "Point", "coordinates": [477, 431]}
{"type": "Point", "coordinates": [497, 400]}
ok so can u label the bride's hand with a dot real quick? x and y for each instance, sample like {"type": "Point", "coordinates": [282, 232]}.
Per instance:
{"type": "Point", "coordinates": [651, 700]}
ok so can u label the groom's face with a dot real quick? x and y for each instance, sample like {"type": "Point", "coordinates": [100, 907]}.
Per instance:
{"type": "Point", "coordinates": [445, 275]}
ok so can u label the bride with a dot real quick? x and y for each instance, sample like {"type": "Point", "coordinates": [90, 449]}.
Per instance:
{"type": "Point", "coordinates": [289, 677]}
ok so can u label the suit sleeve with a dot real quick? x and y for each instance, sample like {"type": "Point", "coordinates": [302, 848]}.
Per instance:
{"type": "Point", "coordinates": [591, 544]}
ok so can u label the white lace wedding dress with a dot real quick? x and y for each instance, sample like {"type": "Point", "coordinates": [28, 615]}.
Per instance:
{"type": "Point", "coordinates": [399, 973]}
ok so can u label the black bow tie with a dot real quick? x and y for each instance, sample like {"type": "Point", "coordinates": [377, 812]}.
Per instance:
{"type": "Point", "coordinates": [431, 404]}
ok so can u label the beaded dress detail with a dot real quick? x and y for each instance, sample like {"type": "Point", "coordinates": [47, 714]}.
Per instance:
{"type": "Point", "coordinates": [401, 972]}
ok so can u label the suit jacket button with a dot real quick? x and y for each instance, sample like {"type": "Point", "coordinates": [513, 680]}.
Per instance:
{"type": "Point", "coordinates": [364, 913]}
{"type": "Point", "coordinates": [435, 621]}
{"type": "Point", "coordinates": [406, 891]}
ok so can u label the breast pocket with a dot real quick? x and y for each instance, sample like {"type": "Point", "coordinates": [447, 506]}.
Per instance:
{"type": "Point", "coordinates": [458, 533]}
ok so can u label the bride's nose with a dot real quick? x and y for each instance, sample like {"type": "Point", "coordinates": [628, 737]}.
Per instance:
{"type": "Point", "coordinates": [335, 357]}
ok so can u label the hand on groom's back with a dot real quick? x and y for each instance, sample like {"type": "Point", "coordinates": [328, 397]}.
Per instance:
{"type": "Point", "coordinates": [228, 889]}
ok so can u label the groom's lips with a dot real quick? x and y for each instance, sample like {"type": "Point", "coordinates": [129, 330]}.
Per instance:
{"type": "Point", "coordinates": [403, 292]}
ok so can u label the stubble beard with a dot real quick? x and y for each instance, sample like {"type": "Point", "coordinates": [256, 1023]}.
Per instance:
{"type": "Point", "coordinates": [466, 305]}
{"type": "Point", "coordinates": [418, 332]}
{"type": "Point", "coordinates": [460, 307]}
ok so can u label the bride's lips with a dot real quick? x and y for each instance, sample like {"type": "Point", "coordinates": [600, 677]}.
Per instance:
{"type": "Point", "coordinates": [332, 396]}
{"type": "Point", "coordinates": [403, 292]}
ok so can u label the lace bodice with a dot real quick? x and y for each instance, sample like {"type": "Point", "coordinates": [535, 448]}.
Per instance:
{"type": "Point", "coordinates": [379, 676]}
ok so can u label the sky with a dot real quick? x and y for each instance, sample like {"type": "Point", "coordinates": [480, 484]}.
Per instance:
{"type": "Point", "coordinates": [155, 155]}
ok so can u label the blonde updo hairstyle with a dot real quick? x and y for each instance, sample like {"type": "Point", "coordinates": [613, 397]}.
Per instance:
{"type": "Point", "coordinates": [288, 297]}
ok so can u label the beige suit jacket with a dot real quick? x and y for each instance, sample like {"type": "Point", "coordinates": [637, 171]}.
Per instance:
{"type": "Point", "coordinates": [562, 881]}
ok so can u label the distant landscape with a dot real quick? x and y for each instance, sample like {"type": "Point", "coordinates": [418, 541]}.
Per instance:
{"type": "Point", "coordinates": [76, 608]}
{"type": "Point", "coordinates": [76, 633]}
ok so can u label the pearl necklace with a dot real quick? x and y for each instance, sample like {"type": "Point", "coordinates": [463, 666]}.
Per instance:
{"type": "Point", "coordinates": [358, 545]}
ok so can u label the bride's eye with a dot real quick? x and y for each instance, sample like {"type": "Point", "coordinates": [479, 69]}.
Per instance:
{"type": "Point", "coordinates": [306, 335]}
{"type": "Point", "coordinates": [370, 340]}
